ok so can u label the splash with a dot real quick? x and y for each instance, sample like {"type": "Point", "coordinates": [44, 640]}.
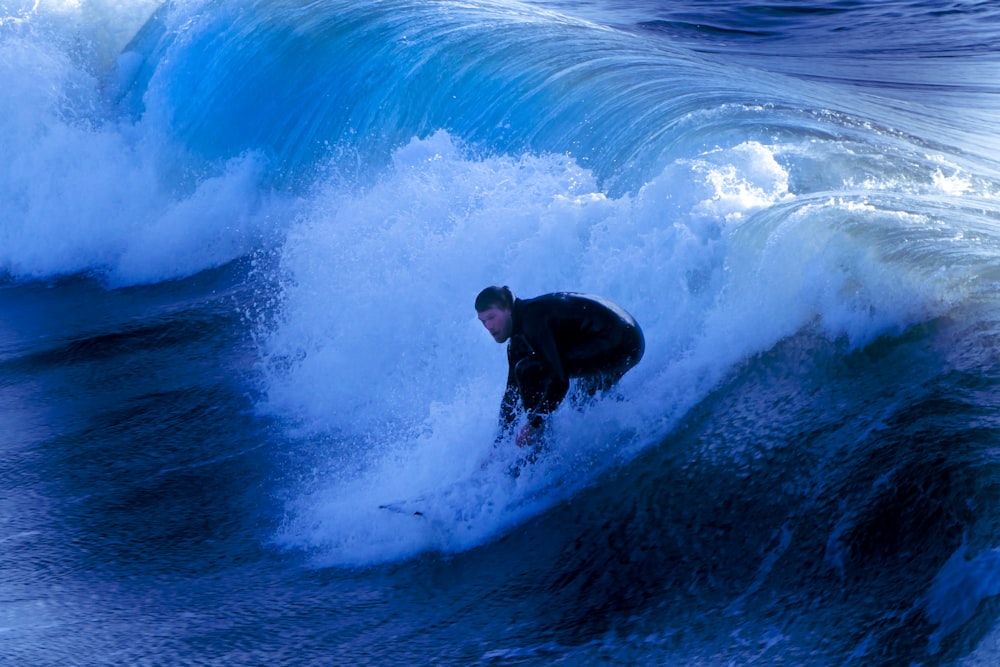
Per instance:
{"type": "Point", "coordinates": [378, 361]}
{"type": "Point", "coordinates": [85, 192]}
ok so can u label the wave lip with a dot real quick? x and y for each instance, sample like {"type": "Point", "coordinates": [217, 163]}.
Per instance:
{"type": "Point", "coordinates": [305, 82]}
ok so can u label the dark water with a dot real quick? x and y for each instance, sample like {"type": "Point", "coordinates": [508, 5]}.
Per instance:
{"type": "Point", "coordinates": [239, 244]}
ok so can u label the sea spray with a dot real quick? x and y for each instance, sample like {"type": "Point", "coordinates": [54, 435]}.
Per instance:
{"type": "Point", "coordinates": [376, 301]}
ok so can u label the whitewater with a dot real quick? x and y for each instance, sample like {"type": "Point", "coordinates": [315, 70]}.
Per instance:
{"type": "Point", "coordinates": [239, 246]}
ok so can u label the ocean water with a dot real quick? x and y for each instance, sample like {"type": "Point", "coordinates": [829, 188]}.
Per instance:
{"type": "Point", "coordinates": [239, 244]}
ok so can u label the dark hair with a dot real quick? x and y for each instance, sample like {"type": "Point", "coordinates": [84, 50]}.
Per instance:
{"type": "Point", "coordinates": [495, 296]}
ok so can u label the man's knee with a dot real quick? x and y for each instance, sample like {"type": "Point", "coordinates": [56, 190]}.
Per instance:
{"type": "Point", "coordinates": [612, 367]}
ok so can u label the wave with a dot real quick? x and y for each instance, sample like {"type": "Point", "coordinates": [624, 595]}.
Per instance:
{"type": "Point", "coordinates": [303, 81]}
{"type": "Point", "coordinates": [803, 464]}
{"type": "Point", "coordinates": [395, 158]}
{"type": "Point", "coordinates": [198, 143]}
{"type": "Point", "coordinates": [378, 361]}
{"type": "Point", "coordinates": [85, 192]}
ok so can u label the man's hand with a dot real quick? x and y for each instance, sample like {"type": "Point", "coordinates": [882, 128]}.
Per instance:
{"type": "Point", "coordinates": [528, 435]}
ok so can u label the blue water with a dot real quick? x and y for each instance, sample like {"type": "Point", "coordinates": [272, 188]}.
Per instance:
{"type": "Point", "coordinates": [239, 244]}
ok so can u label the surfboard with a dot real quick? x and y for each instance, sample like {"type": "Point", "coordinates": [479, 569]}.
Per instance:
{"type": "Point", "coordinates": [399, 507]}
{"type": "Point", "coordinates": [420, 513]}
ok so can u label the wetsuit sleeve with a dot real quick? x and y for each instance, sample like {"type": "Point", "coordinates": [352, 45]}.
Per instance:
{"type": "Point", "coordinates": [555, 386]}
{"type": "Point", "coordinates": [544, 343]}
{"type": "Point", "coordinates": [555, 391]}
{"type": "Point", "coordinates": [508, 404]}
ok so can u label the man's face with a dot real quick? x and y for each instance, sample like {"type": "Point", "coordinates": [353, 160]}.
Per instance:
{"type": "Point", "coordinates": [498, 322]}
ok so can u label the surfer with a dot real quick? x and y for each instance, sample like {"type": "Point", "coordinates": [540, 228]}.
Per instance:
{"type": "Point", "coordinates": [550, 339]}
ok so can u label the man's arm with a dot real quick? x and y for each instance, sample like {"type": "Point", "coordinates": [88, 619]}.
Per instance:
{"type": "Point", "coordinates": [543, 340]}
{"type": "Point", "coordinates": [551, 382]}
{"type": "Point", "coordinates": [551, 396]}
{"type": "Point", "coordinates": [508, 404]}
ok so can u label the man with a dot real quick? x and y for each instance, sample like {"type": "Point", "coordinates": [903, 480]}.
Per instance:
{"type": "Point", "coordinates": [552, 338]}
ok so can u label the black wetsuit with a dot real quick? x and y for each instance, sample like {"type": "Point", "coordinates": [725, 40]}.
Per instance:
{"type": "Point", "coordinates": [560, 336]}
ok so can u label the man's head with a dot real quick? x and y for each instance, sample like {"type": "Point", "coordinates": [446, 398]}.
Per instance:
{"type": "Point", "coordinates": [495, 306]}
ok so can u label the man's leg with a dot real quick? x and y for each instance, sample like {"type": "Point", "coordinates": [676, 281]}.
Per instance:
{"type": "Point", "coordinates": [605, 362]}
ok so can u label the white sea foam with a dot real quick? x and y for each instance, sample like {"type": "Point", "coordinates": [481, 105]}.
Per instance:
{"type": "Point", "coordinates": [83, 192]}
{"type": "Point", "coordinates": [378, 347]}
